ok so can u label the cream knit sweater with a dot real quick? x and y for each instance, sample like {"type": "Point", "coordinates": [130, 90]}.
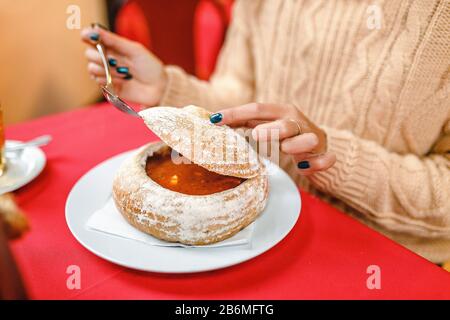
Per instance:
{"type": "Point", "coordinates": [381, 94]}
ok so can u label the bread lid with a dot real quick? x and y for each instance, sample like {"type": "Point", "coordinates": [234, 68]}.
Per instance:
{"type": "Point", "coordinates": [216, 148]}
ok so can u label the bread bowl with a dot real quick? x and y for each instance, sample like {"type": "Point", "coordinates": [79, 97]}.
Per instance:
{"type": "Point", "coordinates": [199, 198]}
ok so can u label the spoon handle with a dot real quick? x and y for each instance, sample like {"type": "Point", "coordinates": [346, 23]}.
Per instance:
{"type": "Point", "coordinates": [36, 142]}
{"type": "Point", "coordinates": [102, 51]}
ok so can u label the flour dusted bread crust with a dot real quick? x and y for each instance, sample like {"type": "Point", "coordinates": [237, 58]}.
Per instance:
{"type": "Point", "coordinates": [216, 148]}
{"type": "Point", "coordinates": [194, 219]}
{"type": "Point", "coordinates": [177, 217]}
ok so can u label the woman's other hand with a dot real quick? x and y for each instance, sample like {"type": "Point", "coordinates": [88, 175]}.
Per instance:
{"type": "Point", "coordinates": [299, 137]}
{"type": "Point", "coordinates": [138, 75]}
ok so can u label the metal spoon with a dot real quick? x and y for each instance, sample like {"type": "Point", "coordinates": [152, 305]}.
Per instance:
{"type": "Point", "coordinates": [108, 89]}
{"type": "Point", "coordinates": [36, 142]}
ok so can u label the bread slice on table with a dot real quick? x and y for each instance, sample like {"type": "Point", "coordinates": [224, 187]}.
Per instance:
{"type": "Point", "coordinates": [13, 218]}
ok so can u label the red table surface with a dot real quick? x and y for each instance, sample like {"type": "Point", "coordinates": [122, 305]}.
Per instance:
{"type": "Point", "coordinates": [325, 256]}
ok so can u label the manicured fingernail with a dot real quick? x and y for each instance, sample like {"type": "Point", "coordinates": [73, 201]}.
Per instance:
{"type": "Point", "coordinates": [94, 36]}
{"type": "Point", "coordinates": [112, 62]}
{"type": "Point", "coordinates": [128, 77]}
{"type": "Point", "coordinates": [303, 165]}
{"type": "Point", "coordinates": [216, 118]}
{"type": "Point", "coordinates": [122, 70]}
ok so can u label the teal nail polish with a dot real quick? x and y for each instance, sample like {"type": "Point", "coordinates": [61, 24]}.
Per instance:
{"type": "Point", "coordinates": [303, 165]}
{"type": "Point", "coordinates": [128, 77]}
{"type": "Point", "coordinates": [112, 62]}
{"type": "Point", "coordinates": [216, 118]}
{"type": "Point", "coordinates": [94, 36]}
{"type": "Point", "coordinates": [123, 70]}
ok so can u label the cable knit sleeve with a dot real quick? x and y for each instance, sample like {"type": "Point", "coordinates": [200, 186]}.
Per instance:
{"type": "Point", "coordinates": [232, 82]}
{"type": "Point", "coordinates": [400, 192]}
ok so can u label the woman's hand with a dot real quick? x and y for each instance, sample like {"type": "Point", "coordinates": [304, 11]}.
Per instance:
{"type": "Point", "coordinates": [138, 75]}
{"type": "Point", "coordinates": [299, 137]}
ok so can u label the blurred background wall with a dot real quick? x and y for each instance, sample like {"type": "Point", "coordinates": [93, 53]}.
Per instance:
{"type": "Point", "coordinates": [43, 69]}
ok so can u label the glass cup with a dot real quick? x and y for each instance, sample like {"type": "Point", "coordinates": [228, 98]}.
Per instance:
{"type": "Point", "coordinates": [2, 144]}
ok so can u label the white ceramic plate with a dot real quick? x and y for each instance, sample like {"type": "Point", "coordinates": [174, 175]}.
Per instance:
{"type": "Point", "coordinates": [21, 168]}
{"type": "Point", "coordinates": [92, 191]}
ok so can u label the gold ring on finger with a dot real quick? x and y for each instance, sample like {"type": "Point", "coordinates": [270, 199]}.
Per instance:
{"type": "Point", "coordinates": [299, 127]}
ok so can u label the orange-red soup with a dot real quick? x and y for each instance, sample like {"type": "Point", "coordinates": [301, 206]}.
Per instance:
{"type": "Point", "coordinates": [187, 178]}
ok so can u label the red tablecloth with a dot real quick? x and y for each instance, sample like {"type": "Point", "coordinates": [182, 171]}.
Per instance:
{"type": "Point", "coordinates": [325, 256]}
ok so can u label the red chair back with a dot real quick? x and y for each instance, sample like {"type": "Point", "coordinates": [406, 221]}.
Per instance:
{"type": "Point", "coordinates": [186, 33]}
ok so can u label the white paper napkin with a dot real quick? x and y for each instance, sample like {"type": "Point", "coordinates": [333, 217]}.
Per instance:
{"type": "Point", "coordinates": [109, 220]}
